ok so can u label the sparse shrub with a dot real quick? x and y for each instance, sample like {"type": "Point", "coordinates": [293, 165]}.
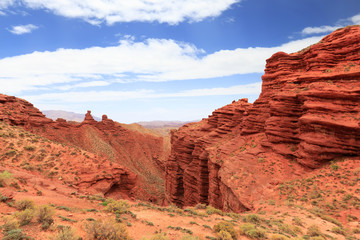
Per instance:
{"type": "Point", "coordinates": [278, 237]}
{"type": "Point", "coordinates": [289, 229]}
{"type": "Point", "coordinates": [317, 238]}
{"type": "Point", "coordinates": [207, 226]}
{"type": "Point", "coordinates": [211, 210]}
{"type": "Point", "coordinates": [117, 207]}
{"type": "Point", "coordinates": [338, 230]}
{"type": "Point", "coordinates": [334, 166]}
{"type": "Point", "coordinates": [252, 218]}
{"type": "Point", "coordinates": [24, 204]}
{"type": "Point", "coordinates": [225, 227]}
{"type": "Point", "coordinates": [15, 234]}
{"type": "Point", "coordinates": [67, 219]}
{"type": "Point", "coordinates": [5, 178]}
{"type": "Point", "coordinates": [347, 197]}
{"type": "Point", "coordinates": [3, 198]}
{"type": "Point", "coordinates": [45, 215]}
{"type": "Point", "coordinates": [189, 237]}
{"type": "Point", "coordinates": [65, 233]}
{"type": "Point", "coordinates": [159, 236]}
{"type": "Point", "coordinates": [64, 208]}
{"type": "Point", "coordinates": [25, 216]}
{"type": "Point", "coordinates": [11, 153]}
{"type": "Point", "coordinates": [10, 223]}
{"type": "Point", "coordinates": [251, 231]}
{"type": "Point", "coordinates": [223, 235]}
{"type": "Point", "coordinates": [331, 219]}
{"type": "Point", "coordinates": [109, 230]}
{"type": "Point", "coordinates": [29, 148]}
{"type": "Point", "coordinates": [314, 231]}
{"type": "Point", "coordinates": [297, 221]}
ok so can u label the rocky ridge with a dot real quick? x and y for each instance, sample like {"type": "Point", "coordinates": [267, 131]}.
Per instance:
{"type": "Point", "coordinates": [306, 116]}
{"type": "Point", "coordinates": [143, 154]}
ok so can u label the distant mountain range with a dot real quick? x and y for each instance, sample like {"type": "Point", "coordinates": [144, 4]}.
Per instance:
{"type": "Point", "coordinates": [78, 117]}
{"type": "Point", "coordinates": [162, 124]}
{"type": "Point", "coordinates": [68, 116]}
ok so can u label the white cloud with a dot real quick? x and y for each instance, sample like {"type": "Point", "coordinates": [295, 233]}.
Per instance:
{"type": "Point", "coordinates": [6, 3]}
{"type": "Point", "coordinates": [112, 11]}
{"type": "Point", "coordinates": [104, 96]}
{"type": "Point", "coordinates": [316, 30]}
{"type": "Point", "coordinates": [23, 29]}
{"type": "Point", "coordinates": [153, 60]}
{"type": "Point", "coordinates": [354, 20]}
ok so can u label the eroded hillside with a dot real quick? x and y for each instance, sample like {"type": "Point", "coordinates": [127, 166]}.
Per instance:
{"type": "Point", "coordinates": [141, 151]}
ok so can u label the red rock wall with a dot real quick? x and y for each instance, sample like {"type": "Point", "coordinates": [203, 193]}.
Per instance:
{"type": "Point", "coordinates": [307, 113]}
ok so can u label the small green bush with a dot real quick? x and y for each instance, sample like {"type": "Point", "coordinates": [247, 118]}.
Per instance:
{"type": "Point", "coordinates": [5, 178]}
{"type": "Point", "coordinates": [10, 223]}
{"type": "Point", "coordinates": [252, 218]}
{"type": "Point", "coordinates": [314, 231]}
{"type": "Point", "coordinates": [211, 210]}
{"type": "Point", "coordinates": [190, 237]}
{"type": "Point", "coordinates": [29, 148]}
{"type": "Point", "coordinates": [65, 233]}
{"type": "Point", "coordinates": [117, 207]}
{"type": "Point", "coordinates": [251, 231]}
{"type": "Point", "coordinates": [15, 234]}
{"type": "Point", "coordinates": [338, 230]}
{"type": "Point", "coordinates": [45, 215]}
{"type": "Point", "coordinates": [225, 227]}
{"type": "Point", "coordinates": [223, 235]}
{"type": "Point", "coordinates": [278, 237]}
{"type": "Point", "coordinates": [24, 204]}
{"type": "Point", "coordinates": [3, 198]}
{"type": "Point", "coordinates": [25, 216]}
{"type": "Point", "coordinates": [109, 230]}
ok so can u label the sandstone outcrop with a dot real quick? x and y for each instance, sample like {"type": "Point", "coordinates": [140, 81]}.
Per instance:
{"type": "Point", "coordinates": [142, 153]}
{"type": "Point", "coordinates": [307, 114]}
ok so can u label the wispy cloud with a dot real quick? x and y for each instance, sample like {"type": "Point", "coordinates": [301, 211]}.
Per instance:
{"type": "Point", "coordinates": [83, 85]}
{"type": "Point", "coordinates": [104, 96]}
{"type": "Point", "coordinates": [354, 20]}
{"type": "Point", "coordinates": [163, 11]}
{"type": "Point", "coordinates": [23, 29]}
{"type": "Point", "coordinates": [153, 60]}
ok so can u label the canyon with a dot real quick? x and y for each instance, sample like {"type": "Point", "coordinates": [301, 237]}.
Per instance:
{"type": "Point", "coordinates": [285, 163]}
{"type": "Point", "coordinates": [306, 116]}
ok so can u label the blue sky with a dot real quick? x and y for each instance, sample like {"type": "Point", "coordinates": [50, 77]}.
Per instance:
{"type": "Point", "coordinates": [144, 60]}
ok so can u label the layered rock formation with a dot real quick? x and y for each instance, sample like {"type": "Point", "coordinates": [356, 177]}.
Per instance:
{"type": "Point", "coordinates": [142, 153]}
{"type": "Point", "coordinates": [306, 115]}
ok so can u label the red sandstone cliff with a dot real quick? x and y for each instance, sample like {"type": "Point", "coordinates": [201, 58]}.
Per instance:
{"type": "Point", "coordinates": [308, 114]}
{"type": "Point", "coordinates": [142, 153]}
